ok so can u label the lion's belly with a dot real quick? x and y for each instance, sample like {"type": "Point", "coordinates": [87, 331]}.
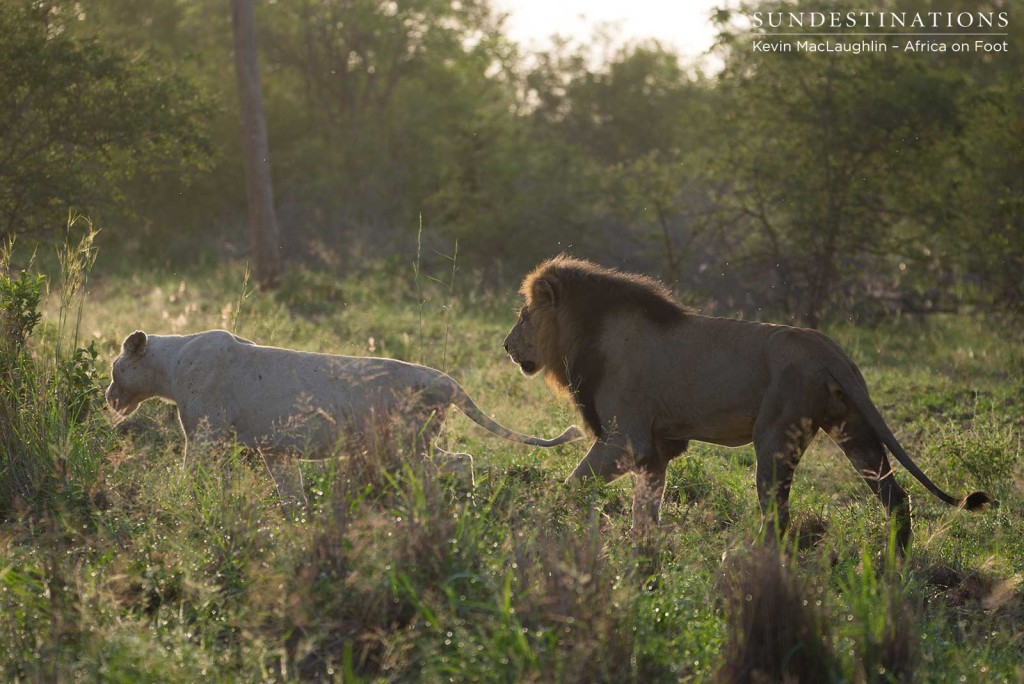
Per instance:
{"type": "Point", "coordinates": [725, 429]}
{"type": "Point", "coordinates": [727, 420]}
{"type": "Point", "coordinates": [727, 441]}
{"type": "Point", "coordinates": [709, 385]}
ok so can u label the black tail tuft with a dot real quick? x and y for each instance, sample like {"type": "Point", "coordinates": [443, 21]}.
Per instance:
{"type": "Point", "coordinates": [973, 502]}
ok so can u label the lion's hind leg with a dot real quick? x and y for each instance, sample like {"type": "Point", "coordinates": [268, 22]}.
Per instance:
{"type": "Point", "coordinates": [789, 419]}
{"type": "Point", "coordinates": [866, 452]}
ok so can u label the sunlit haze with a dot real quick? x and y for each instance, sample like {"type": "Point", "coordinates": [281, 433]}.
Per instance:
{"type": "Point", "coordinates": [681, 25]}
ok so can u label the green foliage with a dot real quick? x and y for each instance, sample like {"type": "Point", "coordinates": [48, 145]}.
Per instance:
{"type": "Point", "coordinates": [639, 126]}
{"type": "Point", "coordinates": [19, 304]}
{"type": "Point", "coordinates": [826, 160]}
{"type": "Point", "coordinates": [82, 119]}
{"type": "Point", "coordinates": [49, 439]}
{"type": "Point", "coordinates": [774, 632]}
{"type": "Point", "coordinates": [122, 562]}
{"type": "Point", "coordinates": [987, 452]}
{"type": "Point", "coordinates": [401, 120]}
{"type": "Point", "coordinates": [989, 235]}
{"type": "Point", "coordinates": [805, 186]}
{"type": "Point", "coordinates": [884, 622]}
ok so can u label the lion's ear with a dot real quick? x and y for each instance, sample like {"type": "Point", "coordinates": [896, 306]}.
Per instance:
{"type": "Point", "coordinates": [544, 293]}
{"type": "Point", "coordinates": [135, 343]}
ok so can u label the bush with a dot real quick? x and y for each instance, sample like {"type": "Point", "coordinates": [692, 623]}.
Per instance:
{"type": "Point", "coordinates": [51, 438]}
{"type": "Point", "coordinates": [81, 120]}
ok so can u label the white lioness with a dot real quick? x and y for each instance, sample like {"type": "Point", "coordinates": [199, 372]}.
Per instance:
{"type": "Point", "coordinates": [288, 404]}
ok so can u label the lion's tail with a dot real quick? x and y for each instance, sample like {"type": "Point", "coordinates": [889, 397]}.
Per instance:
{"type": "Point", "coordinates": [855, 388]}
{"type": "Point", "coordinates": [474, 413]}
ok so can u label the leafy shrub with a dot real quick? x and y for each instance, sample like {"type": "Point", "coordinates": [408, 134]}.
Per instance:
{"type": "Point", "coordinates": [51, 441]}
{"type": "Point", "coordinates": [95, 118]}
{"type": "Point", "coordinates": [392, 544]}
{"type": "Point", "coordinates": [574, 605]}
{"type": "Point", "coordinates": [19, 308]}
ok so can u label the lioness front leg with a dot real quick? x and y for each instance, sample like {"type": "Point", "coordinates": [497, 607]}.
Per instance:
{"type": "Point", "coordinates": [200, 428]}
{"type": "Point", "coordinates": [284, 470]}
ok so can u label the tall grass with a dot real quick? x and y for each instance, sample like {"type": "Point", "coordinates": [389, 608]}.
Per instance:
{"type": "Point", "coordinates": [117, 564]}
{"type": "Point", "coordinates": [777, 630]}
{"type": "Point", "coordinates": [51, 438]}
{"type": "Point", "coordinates": [882, 620]}
{"type": "Point", "coordinates": [52, 444]}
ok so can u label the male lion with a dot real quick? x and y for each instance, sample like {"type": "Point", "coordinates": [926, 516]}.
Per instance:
{"type": "Point", "coordinates": [648, 376]}
{"type": "Point", "coordinates": [290, 403]}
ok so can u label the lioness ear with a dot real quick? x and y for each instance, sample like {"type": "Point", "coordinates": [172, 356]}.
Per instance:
{"type": "Point", "coordinates": [135, 343]}
{"type": "Point", "coordinates": [544, 293]}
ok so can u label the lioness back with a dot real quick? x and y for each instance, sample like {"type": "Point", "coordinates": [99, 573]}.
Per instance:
{"type": "Point", "coordinates": [278, 385]}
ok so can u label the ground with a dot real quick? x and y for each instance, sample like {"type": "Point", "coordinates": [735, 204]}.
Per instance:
{"type": "Point", "coordinates": [141, 569]}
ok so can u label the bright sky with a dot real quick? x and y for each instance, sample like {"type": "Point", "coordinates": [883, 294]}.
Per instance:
{"type": "Point", "coordinates": [681, 25]}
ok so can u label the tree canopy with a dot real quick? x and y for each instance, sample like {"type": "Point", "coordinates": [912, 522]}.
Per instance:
{"type": "Point", "coordinates": [805, 183]}
{"type": "Point", "coordinates": [79, 119]}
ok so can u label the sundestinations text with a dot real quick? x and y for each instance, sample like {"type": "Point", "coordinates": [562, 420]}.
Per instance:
{"type": "Point", "coordinates": [882, 20]}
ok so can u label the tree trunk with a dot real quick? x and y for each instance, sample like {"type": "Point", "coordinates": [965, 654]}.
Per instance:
{"type": "Point", "coordinates": [822, 278]}
{"type": "Point", "coordinates": [672, 260]}
{"type": "Point", "coordinates": [259, 189]}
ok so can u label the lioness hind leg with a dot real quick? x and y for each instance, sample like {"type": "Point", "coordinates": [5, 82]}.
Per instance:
{"type": "Point", "coordinates": [867, 454]}
{"type": "Point", "coordinates": [454, 463]}
{"type": "Point", "coordinates": [426, 424]}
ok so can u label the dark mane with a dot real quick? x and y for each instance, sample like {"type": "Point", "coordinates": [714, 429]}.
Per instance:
{"type": "Point", "coordinates": [587, 296]}
{"type": "Point", "coordinates": [596, 291]}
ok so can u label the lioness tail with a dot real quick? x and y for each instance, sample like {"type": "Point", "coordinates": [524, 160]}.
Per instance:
{"type": "Point", "coordinates": [473, 412]}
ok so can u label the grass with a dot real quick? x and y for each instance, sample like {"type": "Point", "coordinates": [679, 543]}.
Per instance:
{"type": "Point", "coordinates": [116, 564]}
